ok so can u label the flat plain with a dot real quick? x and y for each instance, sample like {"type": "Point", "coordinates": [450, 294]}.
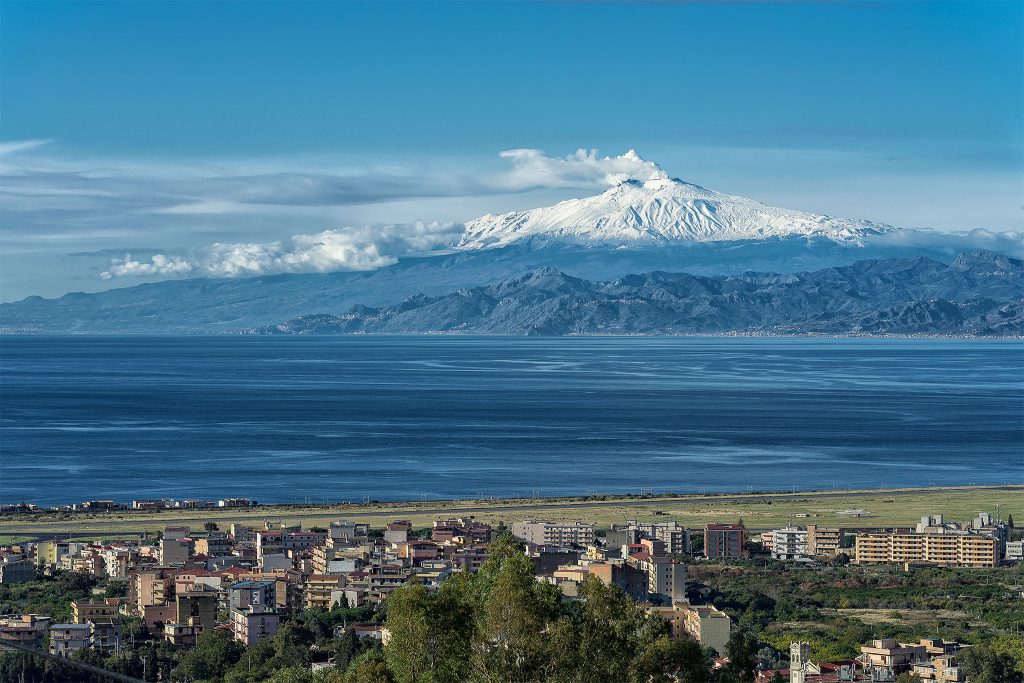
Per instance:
{"type": "Point", "coordinates": [880, 508]}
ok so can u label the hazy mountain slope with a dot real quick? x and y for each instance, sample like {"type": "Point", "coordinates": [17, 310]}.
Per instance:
{"type": "Point", "coordinates": [212, 306]}
{"type": "Point", "coordinates": [657, 225]}
{"type": "Point", "coordinates": [979, 294]}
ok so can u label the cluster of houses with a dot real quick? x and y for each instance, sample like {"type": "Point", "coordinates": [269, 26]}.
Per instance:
{"type": "Point", "coordinates": [982, 542]}
{"type": "Point", "coordinates": [880, 661]}
{"type": "Point", "coordinates": [248, 580]}
{"type": "Point", "coordinates": [148, 504]}
{"type": "Point", "coordinates": [245, 580]}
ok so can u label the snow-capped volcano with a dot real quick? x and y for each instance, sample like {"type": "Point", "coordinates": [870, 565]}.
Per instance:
{"type": "Point", "coordinates": [661, 209]}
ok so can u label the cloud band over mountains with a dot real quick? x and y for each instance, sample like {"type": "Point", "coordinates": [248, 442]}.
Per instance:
{"type": "Point", "coordinates": [52, 199]}
{"type": "Point", "coordinates": [366, 248]}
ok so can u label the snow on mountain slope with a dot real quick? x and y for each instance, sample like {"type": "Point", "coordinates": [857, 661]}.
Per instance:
{"type": "Point", "coordinates": [661, 209]}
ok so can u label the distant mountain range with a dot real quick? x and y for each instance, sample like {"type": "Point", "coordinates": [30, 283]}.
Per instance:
{"type": "Point", "coordinates": [637, 226]}
{"type": "Point", "coordinates": [980, 294]}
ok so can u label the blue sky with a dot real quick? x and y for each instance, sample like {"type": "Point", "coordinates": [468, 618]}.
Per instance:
{"type": "Point", "coordinates": [139, 126]}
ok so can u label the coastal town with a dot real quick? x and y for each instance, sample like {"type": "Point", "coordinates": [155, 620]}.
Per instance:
{"type": "Point", "coordinates": [147, 600]}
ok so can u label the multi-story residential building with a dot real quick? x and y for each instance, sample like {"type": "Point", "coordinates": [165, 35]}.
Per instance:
{"type": "Point", "coordinates": [250, 625]}
{"type": "Point", "coordinates": [631, 580]}
{"type": "Point", "coordinates": [268, 542]}
{"type": "Point", "coordinates": [181, 635]}
{"type": "Point", "coordinates": [288, 596]}
{"type": "Point", "coordinates": [151, 504]}
{"type": "Point", "coordinates": [789, 543]}
{"type": "Point", "coordinates": [252, 594]}
{"type": "Point", "coordinates": [327, 560]}
{"type": "Point", "coordinates": [197, 607]}
{"type": "Point", "coordinates": [418, 551]}
{"type": "Point", "coordinates": [175, 551]}
{"type": "Point", "coordinates": [675, 536]}
{"type": "Point", "coordinates": [942, 669]}
{"type": "Point", "coordinates": [552, 533]}
{"type": "Point", "coordinates": [242, 533]}
{"type": "Point", "coordinates": [87, 563]}
{"type": "Point", "coordinates": [433, 572]}
{"type": "Point", "coordinates": [302, 540]}
{"type": "Point", "coordinates": [707, 625]}
{"type": "Point", "coordinates": [320, 590]}
{"type": "Point", "coordinates": [118, 561]}
{"type": "Point", "coordinates": [16, 569]}
{"type": "Point", "coordinates": [347, 532]}
{"type": "Point", "coordinates": [382, 579]}
{"type": "Point", "coordinates": [666, 578]}
{"type": "Point", "coordinates": [105, 634]}
{"type": "Point", "coordinates": [213, 545]}
{"type": "Point", "coordinates": [398, 531]}
{"type": "Point", "coordinates": [272, 562]}
{"type": "Point", "coordinates": [447, 530]}
{"type": "Point", "coordinates": [154, 586]}
{"type": "Point", "coordinates": [1014, 551]}
{"type": "Point", "coordinates": [824, 541]}
{"type": "Point", "coordinates": [66, 639]}
{"type": "Point", "coordinates": [725, 541]}
{"type": "Point", "coordinates": [704, 623]}
{"type": "Point", "coordinates": [84, 611]}
{"type": "Point", "coordinates": [470, 557]}
{"type": "Point", "coordinates": [930, 658]}
{"type": "Point", "coordinates": [177, 533]}
{"type": "Point", "coordinates": [48, 553]}
{"type": "Point", "coordinates": [892, 655]}
{"type": "Point", "coordinates": [945, 549]}
{"type": "Point", "coordinates": [24, 629]}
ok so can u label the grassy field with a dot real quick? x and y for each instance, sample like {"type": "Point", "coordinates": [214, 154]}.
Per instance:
{"type": "Point", "coordinates": [892, 507]}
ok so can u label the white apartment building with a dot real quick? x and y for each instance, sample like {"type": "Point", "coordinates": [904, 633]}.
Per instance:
{"type": "Point", "coordinates": [553, 533]}
{"type": "Point", "coordinates": [789, 543]}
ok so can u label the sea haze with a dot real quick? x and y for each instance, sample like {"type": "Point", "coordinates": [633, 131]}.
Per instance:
{"type": "Point", "coordinates": [348, 418]}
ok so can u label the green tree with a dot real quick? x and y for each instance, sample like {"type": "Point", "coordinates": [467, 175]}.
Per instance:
{"type": "Point", "coordinates": [407, 622]}
{"type": "Point", "coordinates": [516, 610]}
{"type": "Point", "coordinates": [668, 661]}
{"type": "Point", "coordinates": [292, 674]}
{"type": "Point", "coordinates": [742, 653]}
{"type": "Point", "coordinates": [214, 654]}
{"type": "Point", "coordinates": [430, 634]}
{"type": "Point", "coordinates": [983, 665]}
{"type": "Point", "coordinates": [369, 668]}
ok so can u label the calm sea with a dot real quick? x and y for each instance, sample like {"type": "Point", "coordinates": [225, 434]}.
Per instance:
{"type": "Point", "coordinates": [345, 418]}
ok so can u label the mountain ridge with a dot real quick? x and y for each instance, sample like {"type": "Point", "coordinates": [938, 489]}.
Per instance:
{"type": "Point", "coordinates": [873, 297]}
{"type": "Point", "coordinates": [661, 224]}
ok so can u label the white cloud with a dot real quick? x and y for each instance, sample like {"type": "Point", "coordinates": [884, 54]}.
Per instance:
{"type": "Point", "coordinates": [532, 169]}
{"type": "Point", "coordinates": [21, 145]}
{"type": "Point", "coordinates": [365, 248]}
{"type": "Point", "coordinates": [157, 265]}
{"type": "Point", "coordinates": [1009, 241]}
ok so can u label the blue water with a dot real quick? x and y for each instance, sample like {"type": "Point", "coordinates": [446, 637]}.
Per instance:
{"type": "Point", "coordinates": [333, 418]}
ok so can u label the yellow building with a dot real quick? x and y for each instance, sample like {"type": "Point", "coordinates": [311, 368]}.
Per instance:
{"type": "Point", "coordinates": [708, 625]}
{"type": "Point", "coordinates": [948, 550]}
{"type": "Point", "coordinates": [318, 589]}
{"type": "Point", "coordinates": [84, 611]}
{"type": "Point", "coordinates": [823, 541]}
